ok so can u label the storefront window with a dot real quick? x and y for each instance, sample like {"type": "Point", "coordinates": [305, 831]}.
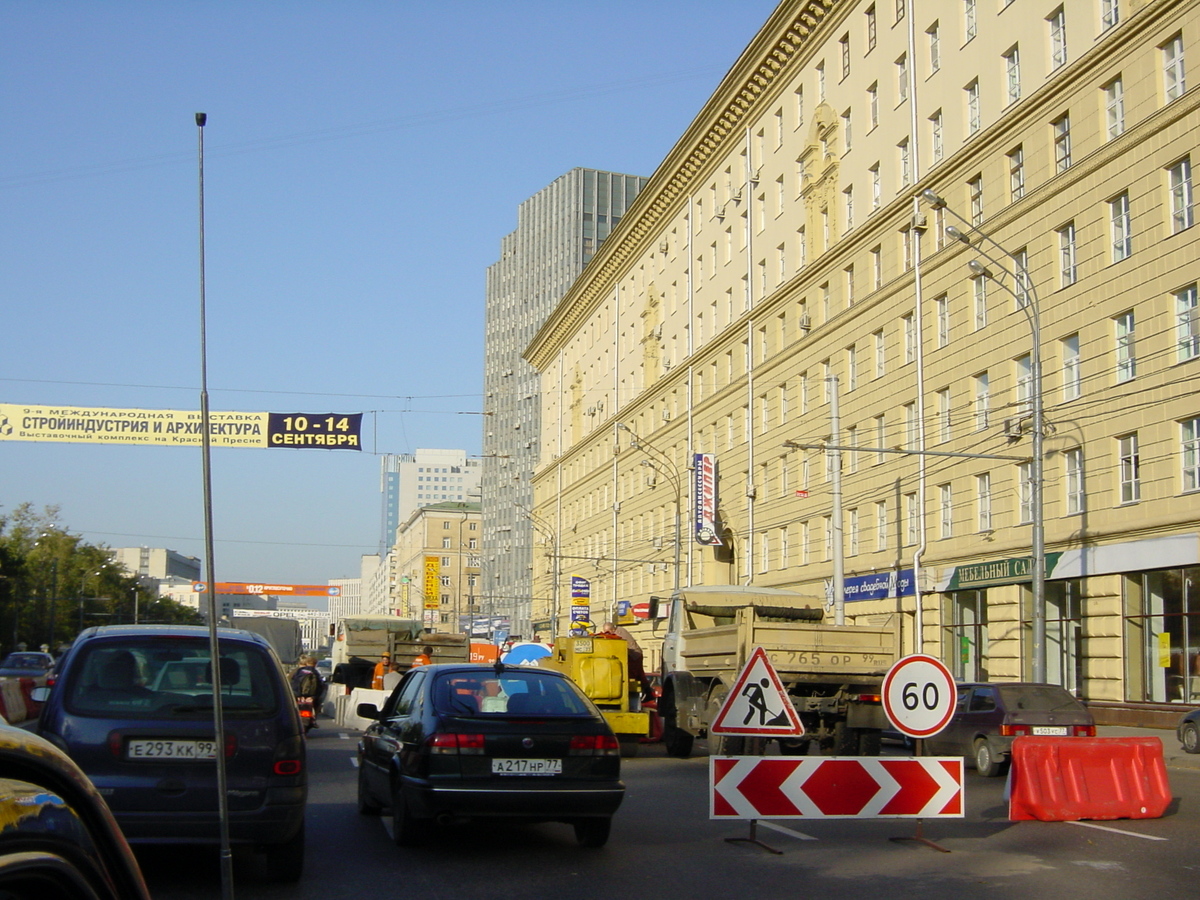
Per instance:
{"type": "Point", "coordinates": [965, 635]}
{"type": "Point", "coordinates": [1064, 664]}
{"type": "Point", "coordinates": [1162, 635]}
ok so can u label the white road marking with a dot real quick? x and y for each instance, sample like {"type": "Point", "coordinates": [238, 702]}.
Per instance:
{"type": "Point", "coordinates": [1145, 837]}
{"type": "Point", "coordinates": [788, 831]}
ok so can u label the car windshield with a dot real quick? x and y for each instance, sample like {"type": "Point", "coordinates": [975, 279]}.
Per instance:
{"type": "Point", "coordinates": [1037, 698]}
{"type": "Point", "coordinates": [156, 676]}
{"type": "Point", "coordinates": [523, 693]}
{"type": "Point", "coordinates": [25, 661]}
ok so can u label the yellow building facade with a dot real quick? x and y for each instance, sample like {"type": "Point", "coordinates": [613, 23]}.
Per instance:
{"type": "Point", "coordinates": [855, 355]}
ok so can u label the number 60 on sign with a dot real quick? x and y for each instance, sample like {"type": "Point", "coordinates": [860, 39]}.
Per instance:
{"type": "Point", "coordinates": [919, 696]}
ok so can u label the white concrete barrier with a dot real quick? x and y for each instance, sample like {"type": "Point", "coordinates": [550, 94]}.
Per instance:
{"type": "Point", "coordinates": [12, 702]}
{"type": "Point", "coordinates": [346, 706]}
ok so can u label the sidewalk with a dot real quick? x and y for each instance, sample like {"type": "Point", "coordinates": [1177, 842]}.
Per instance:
{"type": "Point", "coordinates": [1173, 753]}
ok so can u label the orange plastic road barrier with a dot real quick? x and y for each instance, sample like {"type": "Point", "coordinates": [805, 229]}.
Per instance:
{"type": "Point", "coordinates": [1063, 779]}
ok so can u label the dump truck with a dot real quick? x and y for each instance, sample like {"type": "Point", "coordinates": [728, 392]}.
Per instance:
{"type": "Point", "coordinates": [833, 674]}
{"type": "Point", "coordinates": [359, 642]}
{"type": "Point", "coordinates": [600, 667]}
{"type": "Point", "coordinates": [281, 633]}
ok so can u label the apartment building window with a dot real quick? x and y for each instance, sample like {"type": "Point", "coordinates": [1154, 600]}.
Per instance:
{"type": "Point", "coordinates": [942, 308]}
{"type": "Point", "coordinates": [935, 52]}
{"type": "Point", "coordinates": [1021, 279]}
{"type": "Point", "coordinates": [910, 426]}
{"type": "Point", "coordinates": [902, 78]}
{"type": "Point", "coordinates": [1190, 453]}
{"type": "Point", "coordinates": [880, 439]}
{"type": "Point", "coordinates": [1125, 347]}
{"type": "Point", "coordinates": [1012, 72]}
{"type": "Point", "coordinates": [1129, 466]}
{"type": "Point", "coordinates": [1072, 386]}
{"type": "Point", "coordinates": [944, 415]}
{"type": "Point", "coordinates": [844, 47]}
{"type": "Point", "coordinates": [780, 264]}
{"type": "Point", "coordinates": [827, 530]}
{"type": "Point", "coordinates": [852, 453]}
{"type": "Point", "coordinates": [801, 249]}
{"type": "Point", "coordinates": [826, 381]}
{"type": "Point", "coordinates": [872, 28]}
{"type": "Point", "coordinates": [848, 203]}
{"type": "Point", "coordinates": [876, 188]}
{"type": "Point", "coordinates": [1025, 487]}
{"type": "Point", "coordinates": [805, 543]}
{"type": "Point", "coordinates": [1016, 173]}
{"type": "Point", "coordinates": [975, 195]}
{"type": "Point", "coordinates": [1122, 235]}
{"type": "Point", "coordinates": [983, 401]}
{"type": "Point", "coordinates": [908, 328]}
{"type": "Point", "coordinates": [1066, 255]}
{"type": "Point", "coordinates": [1058, 38]}
{"type": "Point", "coordinates": [973, 117]}
{"type": "Point", "coordinates": [446, 543]}
{"type": "Point", "coordinates": [849, 273]}
{"type": "Point", "coordinates": [935, 132]}
{"type": "Point", "coordinates": [821, 81]}
{"type": "Point", "coordinates": [847, 132]}
{"type": "Point", "coordinates": [906, 244]}
{"type": "Point", "coordinates": [852, 532]}
{"type": "Point", "coordinates": [1114, 108]}
{"type": "Point", "coordinates": [911, 522]}
{"type": "Point", "coordinates": [873, 104]}
{"type": "Point", "coordinates": [1110, 13]}
{"type": "Point", "coordinates": [900, 10]}
{"type": "Point", "coordinates": [1062, 143]}
{"type": "Point", "coordinates": [1179, 181]}
{"type": "Point", "coordinates": [1024, 372]}
{"type": "Point", "coordinates": [1188, 317]}
{"type": "Point", "coordinates": [851, 367]}
{"type": "Point", "coordinates": [798, 103]}
{"type": "Point", "coordinates": [945, 511]}
{"type": "Point", "coordinates": [1073, 484]}
{"type": "Point", "coordinates": [876, 268]}
{"type": "Point", "coordinates": [764, 556]}
{"type": "Point", "coordinates": [979, 293]}
{"type": "Point", "coordinates": [1174, 82]}
{"type": "Point", "coordinates": [881, 525]}
{"type": "Point", "coordinates": [969, 21]}
{"type": "Point", "coordinates": [983, 501]}
{"type": "Point", "coordinates": [784, 549]}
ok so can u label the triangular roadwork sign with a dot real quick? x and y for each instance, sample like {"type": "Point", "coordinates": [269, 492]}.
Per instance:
{"type": "Point", "coordinates": [757, 704]}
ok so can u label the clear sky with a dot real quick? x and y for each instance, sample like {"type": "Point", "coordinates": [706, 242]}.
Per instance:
{"type": "Point", "coordinates": [363, 161]}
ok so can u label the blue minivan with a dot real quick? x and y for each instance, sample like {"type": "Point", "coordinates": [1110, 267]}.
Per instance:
{"type": "Point", "coordinates": [133, 707]}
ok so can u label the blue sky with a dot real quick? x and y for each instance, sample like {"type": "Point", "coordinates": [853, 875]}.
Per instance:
{"type": "Point", "coordinates": [363, 161]}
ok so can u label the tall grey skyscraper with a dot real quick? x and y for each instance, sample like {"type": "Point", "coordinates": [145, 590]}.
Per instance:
{"type": "Point", "coordinates": [558, 230]}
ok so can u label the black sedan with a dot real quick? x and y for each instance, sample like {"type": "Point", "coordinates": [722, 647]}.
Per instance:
{"type": "Point", "coordinates": [988, 717]}
{"type": "Point", "coordinates": [1189, 731]}
{"type": "Point", "coordinates": [457, 742]}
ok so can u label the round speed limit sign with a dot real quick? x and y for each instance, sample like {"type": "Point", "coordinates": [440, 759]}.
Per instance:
{"type": "Point", "coordinates": [919, 695]}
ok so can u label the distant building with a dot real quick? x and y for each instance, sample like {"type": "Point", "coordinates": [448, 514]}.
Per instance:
{"type": "Point", "coordinates": [412, 480]}
{"type": "Point", "coordinates": [446, 536]}
{"type": "Point", "coordinates": [558, 231]}
{"type": "Point", "coordinates": [157, 563]}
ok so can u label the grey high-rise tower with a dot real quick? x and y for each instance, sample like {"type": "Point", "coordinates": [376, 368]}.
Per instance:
{"type": "Point", "coordinates": [558, 231]}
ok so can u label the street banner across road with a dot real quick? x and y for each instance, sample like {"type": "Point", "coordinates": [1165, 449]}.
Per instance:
{"type": "Point", "coordinates": [179, 427]}
{"type": "Point", "coordinates": [774, 787]}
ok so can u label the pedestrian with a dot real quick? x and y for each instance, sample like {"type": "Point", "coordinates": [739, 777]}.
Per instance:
{"type": "Point", "coordinates": [392, 678]}
{"type": "Point", "coordinates": [381, 668]}
{"type": "Point", "coordinates": [424, 658]}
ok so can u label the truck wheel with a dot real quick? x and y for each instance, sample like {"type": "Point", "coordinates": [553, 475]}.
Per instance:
{"type": "Point", "coordinates": [868, 742]}
{"type": "Point", "coordinates": [726, 745]}
{"type": "Point", "coordinates": [678, 742]}
{"type": "Point", "coordinates": [845, 740]}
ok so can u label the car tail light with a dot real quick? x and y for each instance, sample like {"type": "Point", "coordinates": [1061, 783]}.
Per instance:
{"type": "Point", "coordinates": [1015, 730]}
{"type": "Point", "coordinates": [870, 698]}
{"type": "Point", "coordinates": [289, 755]}
{"type": "Point", "coordinates": [231, 744]}
{"type": "Point", "coordinates": [594, 745]}
{"type": "Point", "coordinates": [459, 744]}
{"type": "Point", "coordinates": [1083, 730]}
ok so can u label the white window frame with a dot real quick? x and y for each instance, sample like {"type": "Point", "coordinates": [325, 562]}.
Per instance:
{"type": "Point", "coordinates": [1125, 327]}
{"type": "Point", "coordinates": [1174, 75]}
{"type": "Point", "coordinates": [970, 20]}
{"type": "Point", "coordinates": [1068, 272]}
{"type": "Point", "coordinates": [983, 501]}
{"type": "Point", "coordinates": [1012, 73]}
{"type": "Point", "coordinates": [1129, 468]}
{"type": "Point", "coordinates": [1016, 173]}
{"type": "Point", "coordinates": [1072, 382]}
{"type": "Point", "coordinates": [983, 400]}
{"type": "Point", "coordinates": [974, 120]}
{"type": "Point", "coordinates": [1189, 453]}
{"type": "Point", "coordinates": [1025, 492]}
{"type": "Point", "coordinates": [1061, 128]}
{"type": "Point", "coordinates": [1179, 186]}
{"type": "Point", "coordinates": [1114, 108]}
{"type": "Point", "coordinates": [1058, 38]}
{"type": "Point", "coordinates": [1121, 227]}
{"type": "Point", "coordinates": [945, 511]}
{"type": "Point", "coordinates": [1074, 499]}
{"type": "Point", "coordinates": [1187, 318]}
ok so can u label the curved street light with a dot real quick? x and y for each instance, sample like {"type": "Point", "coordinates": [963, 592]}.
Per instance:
{"type": "Point", "coordinates": [1028, 303]}
{"type": "Point", "coordinates": [667, 467]}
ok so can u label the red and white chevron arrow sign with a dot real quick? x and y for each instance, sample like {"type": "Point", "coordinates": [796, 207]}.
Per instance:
{"type": "Point", "coordinates": [770, 787]}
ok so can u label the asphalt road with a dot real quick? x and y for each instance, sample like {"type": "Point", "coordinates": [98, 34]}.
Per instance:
{"type": "Point", "coordinates": [664, 846]}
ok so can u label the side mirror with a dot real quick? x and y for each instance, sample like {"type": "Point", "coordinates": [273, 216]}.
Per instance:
{"type": "Point", "coordinates": [367, 711]}
{"type": "Point", "coordinates": [40, 694]}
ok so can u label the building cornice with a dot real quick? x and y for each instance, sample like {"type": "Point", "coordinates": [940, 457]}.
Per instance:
{"type": "Point", "coordinates": [760, 66]}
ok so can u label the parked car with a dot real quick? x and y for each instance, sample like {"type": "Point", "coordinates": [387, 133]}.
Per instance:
{"type": "Point", "coordinates": [987, 717]}
{"type": "Point", "coordinates": [459, 741]}
{"type": "Point", "coordinates": [58, 841]}
{"type": "Point", "coordinates": [26, 664]}
{"type": "Point", "coordinates": [1189, 731]}
{"type": "Point", "coordinates": [133, 706]}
